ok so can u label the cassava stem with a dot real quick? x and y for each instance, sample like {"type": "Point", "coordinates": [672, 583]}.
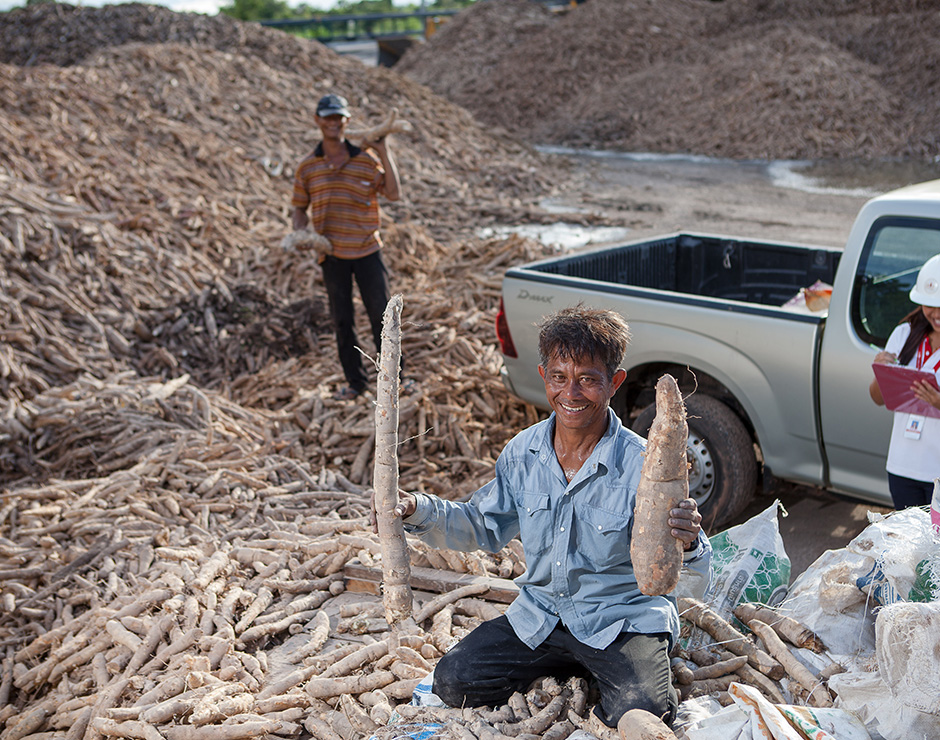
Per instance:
{"type": "Point", "coordinates": [396, 563]}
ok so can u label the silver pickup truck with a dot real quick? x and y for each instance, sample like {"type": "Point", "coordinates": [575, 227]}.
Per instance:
{"type": "Point", "coordinates": [775, 369]}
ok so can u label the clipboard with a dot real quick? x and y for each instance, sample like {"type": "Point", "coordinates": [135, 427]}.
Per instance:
{"type": "Point", "coordinates": [895, 382]}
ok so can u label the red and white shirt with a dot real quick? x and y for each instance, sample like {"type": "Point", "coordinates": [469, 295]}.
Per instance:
{"type": "Point", "coordinates": [918, 459]}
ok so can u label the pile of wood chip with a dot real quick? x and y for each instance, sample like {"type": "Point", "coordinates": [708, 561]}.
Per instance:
{"type": "Point", "coordinates": [739, 78]}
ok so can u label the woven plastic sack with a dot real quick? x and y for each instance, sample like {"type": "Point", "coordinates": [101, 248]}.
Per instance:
{"type": "Point", "coordinates": [905, 554]}
{"type": "Point", "coordinates": [409, 731]}
{"type": "Point", "coordinates": [754, 717]}
{"type": "Point", "coordinates": [749, 563]}
{"type": "Point", "coordinates": [907, 643]}
{"type": "Point", "coordinates": [423, 694]}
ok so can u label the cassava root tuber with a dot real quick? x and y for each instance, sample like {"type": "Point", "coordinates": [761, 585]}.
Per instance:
{"type": "Point", "coordinates": [664, 482]}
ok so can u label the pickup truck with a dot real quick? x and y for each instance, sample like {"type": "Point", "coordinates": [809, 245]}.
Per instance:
{"type": "Point", "coordinates": [774, 389]}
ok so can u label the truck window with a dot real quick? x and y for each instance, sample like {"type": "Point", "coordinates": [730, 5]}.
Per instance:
{"type": "Point", "coordinates": [893, 254]}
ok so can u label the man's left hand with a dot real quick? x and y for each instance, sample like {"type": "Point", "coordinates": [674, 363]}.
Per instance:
{"type": "Point", "coordinates": [686, 522]}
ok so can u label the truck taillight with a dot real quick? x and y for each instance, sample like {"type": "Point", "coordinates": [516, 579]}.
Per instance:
{"type": "Point", "coordinates": [502, 332]}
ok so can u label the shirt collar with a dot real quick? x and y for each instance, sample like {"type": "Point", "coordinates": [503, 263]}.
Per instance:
{"type": "Point", "coordinates": [542, 442]}
{"type": "Point", "coordinates": [350, 147]}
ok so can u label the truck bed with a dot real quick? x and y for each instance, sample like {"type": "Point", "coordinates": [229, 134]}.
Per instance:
{"type": "Point", "coordinates": [763, 273]}
{"type": "Point", "coordinates": [714, 304]}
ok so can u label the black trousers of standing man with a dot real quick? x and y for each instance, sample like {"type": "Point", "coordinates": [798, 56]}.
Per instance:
{"type": "Point", "coordinates": [371, 276]}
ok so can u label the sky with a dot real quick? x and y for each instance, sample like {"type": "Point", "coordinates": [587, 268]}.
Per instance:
{"type": "Point", "coordinates": [182, 6]}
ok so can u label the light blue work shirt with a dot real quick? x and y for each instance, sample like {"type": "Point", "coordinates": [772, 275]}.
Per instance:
{"type": "Point", "coordinates": [576, 537]}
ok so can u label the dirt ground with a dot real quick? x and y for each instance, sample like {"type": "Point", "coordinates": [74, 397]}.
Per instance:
{"type": "Point", "coordinates": [805, 203]}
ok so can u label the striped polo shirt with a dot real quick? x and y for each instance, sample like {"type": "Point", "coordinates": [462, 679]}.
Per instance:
{"type": "Point", "coordinates": [343, 204]}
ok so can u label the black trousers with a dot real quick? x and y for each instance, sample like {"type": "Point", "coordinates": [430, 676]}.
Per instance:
{"type": "Point", "coordinates": [372, 278]}
{"type": "Point", "coordinates": [491, 663]}
{"type": "Point", "coordinates": [907, 492]}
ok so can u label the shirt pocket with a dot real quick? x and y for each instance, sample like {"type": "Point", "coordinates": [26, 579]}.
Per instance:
{"type": "Point", "coordinates": [361, 191]}
{"type": "Point", "coordinates": [604, 536]}
{"type": "Point", "coordinates": [535, 522]}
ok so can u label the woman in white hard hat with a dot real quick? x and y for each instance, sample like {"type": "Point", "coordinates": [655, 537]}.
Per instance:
{"type": "Point", "coordinates": [914, 451]}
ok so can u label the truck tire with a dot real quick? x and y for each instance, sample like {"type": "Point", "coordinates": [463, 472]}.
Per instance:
{"type": "Point", "coordinates": [723, 472]}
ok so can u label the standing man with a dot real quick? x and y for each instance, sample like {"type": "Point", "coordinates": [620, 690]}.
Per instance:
{"type": "Point", "coordinates": [567, 487]}
{"type": "Point", "coordinates": [338, 184]}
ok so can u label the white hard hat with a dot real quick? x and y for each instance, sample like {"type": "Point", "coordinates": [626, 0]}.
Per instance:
{"type": "Point", "coordinates": [926, 291]}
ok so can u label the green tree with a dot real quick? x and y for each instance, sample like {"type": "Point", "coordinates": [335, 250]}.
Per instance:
{"type": "Point", "coordinates": [364, 6]}
{"type": "Point", "coordinates": [256, 10]}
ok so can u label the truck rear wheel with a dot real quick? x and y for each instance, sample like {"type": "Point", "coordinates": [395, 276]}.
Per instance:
{"type": "Point", "coordinates": [723, 472]}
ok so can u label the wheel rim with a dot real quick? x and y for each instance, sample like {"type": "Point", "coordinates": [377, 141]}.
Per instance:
{"type": "Point", "coordinates": [701, 470]}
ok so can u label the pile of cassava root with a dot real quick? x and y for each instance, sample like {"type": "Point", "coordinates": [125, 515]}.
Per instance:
{"type": "Point", "coordinates": [181, 495]}
{"type": "Point", "coordinates": [200, 593]}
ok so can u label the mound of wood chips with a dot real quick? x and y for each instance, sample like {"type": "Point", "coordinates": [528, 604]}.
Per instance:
{"type": "Point", "coordinates": [738, 78]}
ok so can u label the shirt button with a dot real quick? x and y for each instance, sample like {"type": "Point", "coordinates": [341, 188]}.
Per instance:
{"type": "Point", "coordinates": [527, 508]}
{"type": "Point", "coordinates": [562, 529]}
{"type": "Point", "coordinates": [599, 526]}
{"type": "Point", "coordinates": [558, 563]}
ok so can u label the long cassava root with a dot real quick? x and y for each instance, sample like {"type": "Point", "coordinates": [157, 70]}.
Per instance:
{"type": "Point", "coordinates": [391, 125]}
{"type": "Point", "coordinates": [664, 482]}
{"type": "Point", "coordinates": [725, 634]}
{"type": "Point", "coordinates": [307, 240]}
{"type": "Point", "coordinates": [396, 564]}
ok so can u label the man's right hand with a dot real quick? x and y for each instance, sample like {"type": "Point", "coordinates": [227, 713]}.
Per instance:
{"type": "Point", "coordinates": [407, 504]}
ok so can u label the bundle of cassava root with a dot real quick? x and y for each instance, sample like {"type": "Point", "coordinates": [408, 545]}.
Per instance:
{"type": "Point", "coordinates": [200, 591]}
{"type": "Point", "coordinates": [761, 659]}
{"type": "Point", "coordinates": [306, 240]}
{"type": "Point", "coordinates": [390, 125]}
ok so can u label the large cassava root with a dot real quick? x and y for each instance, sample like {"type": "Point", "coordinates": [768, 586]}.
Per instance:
{"type": "Point", "coordinates": [304, 240]}
{"type": "Point", "coordinates": [638, 724]}
{"type": "Point", "coordinates": [664, 482]}
{"type": "Point", "coordinates": [391, 125]}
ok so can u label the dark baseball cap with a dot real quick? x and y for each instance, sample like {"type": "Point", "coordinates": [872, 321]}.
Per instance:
{"type": "Point", "coordinates": [333, 105]}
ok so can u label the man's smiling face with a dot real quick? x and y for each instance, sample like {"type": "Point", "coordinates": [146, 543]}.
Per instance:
{"type": "Point", "coordinates": [579, 390]}
{"type": "Point", "coordinates": [332, 127]}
